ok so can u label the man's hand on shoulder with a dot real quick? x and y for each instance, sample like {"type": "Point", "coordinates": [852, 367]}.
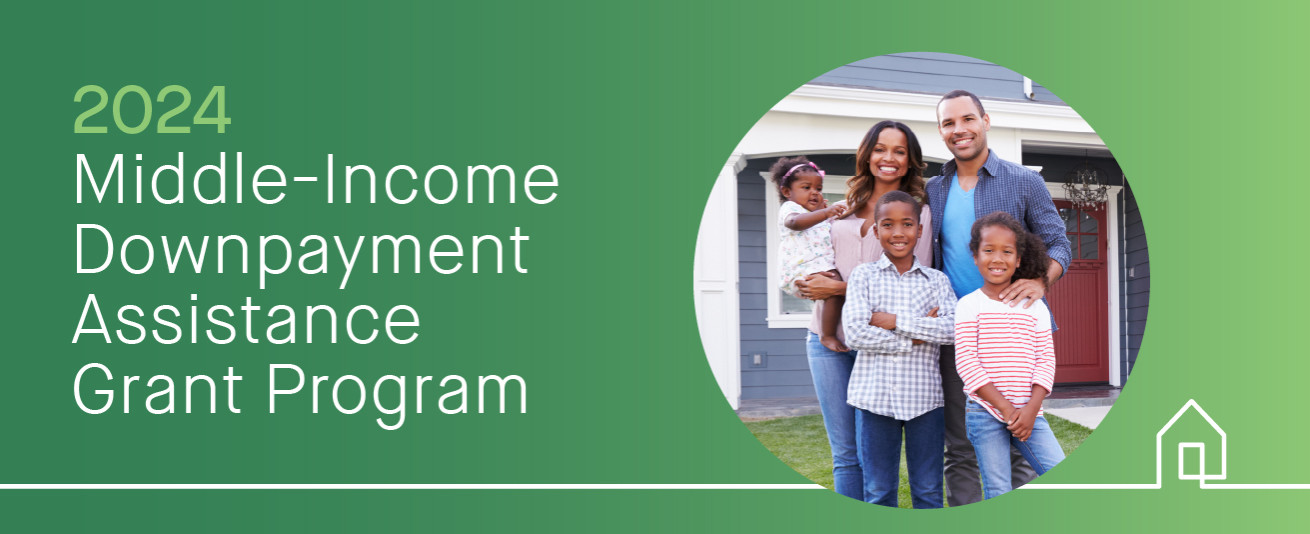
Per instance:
{"type": "Point", "coordinates": [1033, 290]}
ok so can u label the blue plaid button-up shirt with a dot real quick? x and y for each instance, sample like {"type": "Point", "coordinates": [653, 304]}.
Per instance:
{"type": "Point", "coordinates": [1008, 187]}
{"type": "Point", "coordinates": [894, 377]}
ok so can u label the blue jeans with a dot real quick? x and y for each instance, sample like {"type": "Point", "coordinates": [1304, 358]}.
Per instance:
{"type": "Point", "coordinates": [992, 441]}
{"type": "Point", "coordinates": [880, 454]}
{"type": "Point", "coordinates": [832, 373]}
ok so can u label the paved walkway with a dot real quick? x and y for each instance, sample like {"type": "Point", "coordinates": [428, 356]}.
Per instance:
{"type": "Point", "coordinates": [1088, 416]}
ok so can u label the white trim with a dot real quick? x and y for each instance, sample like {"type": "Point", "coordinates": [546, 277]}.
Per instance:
{"type": "Point", "coordinates": [813, 93]}
{"type": "Point", "coordinates": [716, 288]}
{"type": "Point", "coordinates": [1112, 276]}
{"type": "Point", "coordinates": [832, 120]}
{"type": "Point", "coordinates": [872, 103]}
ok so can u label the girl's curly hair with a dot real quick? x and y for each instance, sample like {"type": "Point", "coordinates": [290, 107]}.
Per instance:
{"type": "Point", "coordinates": [1032, 252]}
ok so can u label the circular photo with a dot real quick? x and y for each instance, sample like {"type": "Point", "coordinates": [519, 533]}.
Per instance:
{"type": "Point", "coordinates": [921, 280]}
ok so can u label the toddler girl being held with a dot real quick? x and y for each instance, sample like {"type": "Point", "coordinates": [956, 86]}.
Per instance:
{"type": "Point", "coordinates": [805, 236]}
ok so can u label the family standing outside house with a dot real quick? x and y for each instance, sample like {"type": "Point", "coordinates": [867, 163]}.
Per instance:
{"type": "Point", "coordinates": [942, 332]}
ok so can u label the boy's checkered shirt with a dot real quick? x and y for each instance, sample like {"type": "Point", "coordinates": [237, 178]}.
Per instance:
{"type": "Point", "coordinates": [894, 377]}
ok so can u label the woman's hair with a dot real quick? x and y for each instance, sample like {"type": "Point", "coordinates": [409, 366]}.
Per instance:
{"type": "Point", "coordinates": [860, 187]}
{"type": "Point", "coordinates": [787, 170]}
{"type": "Point", "coordinates": [898, 196]}
{"type": "Point", "coordinates": [1032, 252]}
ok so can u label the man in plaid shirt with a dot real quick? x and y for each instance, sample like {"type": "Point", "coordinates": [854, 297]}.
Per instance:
{"type": "Point", "coordinates": [973, 184]}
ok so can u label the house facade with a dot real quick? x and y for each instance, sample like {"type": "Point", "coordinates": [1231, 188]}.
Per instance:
{"type": "Point", "coordinates": [753, 334]}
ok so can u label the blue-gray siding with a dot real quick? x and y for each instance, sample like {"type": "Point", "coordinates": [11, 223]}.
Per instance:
{"type": "Point", "coordinates": [785, 371]}
{"type": "Point", "coordinates": [934, 73]}
{"type": "Point", "coordinates": [1137, 277]}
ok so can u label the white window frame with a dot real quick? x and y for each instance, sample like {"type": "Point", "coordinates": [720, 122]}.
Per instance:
{"type": "Point", "coordinates": [776, 318]}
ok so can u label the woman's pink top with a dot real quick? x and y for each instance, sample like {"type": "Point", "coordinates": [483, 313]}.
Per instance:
{"type": "Point", "coordinates": [852, 249]}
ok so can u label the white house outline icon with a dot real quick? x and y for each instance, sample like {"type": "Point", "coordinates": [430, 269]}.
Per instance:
{"type": "Point", "coordinates": [1202, 476]}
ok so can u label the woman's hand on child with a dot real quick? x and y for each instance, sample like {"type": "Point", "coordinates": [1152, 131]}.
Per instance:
{"type": "Point", "coordinates": [819, 286]}
{"type": "Point", "coordinates": [833, 344]}
{"type": "Point", "coordinates": [1027, 288]}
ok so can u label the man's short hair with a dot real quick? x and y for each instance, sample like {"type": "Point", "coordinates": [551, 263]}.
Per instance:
{"type": "Point", "coordinates": [959, 93]}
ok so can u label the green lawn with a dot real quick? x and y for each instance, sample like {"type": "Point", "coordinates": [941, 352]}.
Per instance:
{"type": "Point", "coordinates": [802, 443]}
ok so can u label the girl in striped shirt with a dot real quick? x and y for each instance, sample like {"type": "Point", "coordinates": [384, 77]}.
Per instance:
{"type": "Point", "coordinates": [1005, 355]}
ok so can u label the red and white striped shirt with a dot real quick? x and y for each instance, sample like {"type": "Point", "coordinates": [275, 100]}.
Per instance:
{"type": "Point", "coordinates": [1008, 347]}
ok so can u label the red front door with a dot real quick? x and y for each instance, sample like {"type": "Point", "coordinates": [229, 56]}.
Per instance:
{"type": "Point", "coordinates": [1080, 300]}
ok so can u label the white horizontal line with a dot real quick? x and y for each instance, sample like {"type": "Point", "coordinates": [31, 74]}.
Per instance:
{"type": "Point", "coordinates": [305, 179]}
{"type": "Point", "coordinates": [1204, 485]}
{"type": "Point", "coordinates": [410, 486]}
{"type": "Point", "coordinates": [1090, 486]}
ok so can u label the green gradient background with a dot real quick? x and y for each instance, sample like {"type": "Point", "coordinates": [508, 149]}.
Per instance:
{"type": "Point", "coordinates": [636, 108]}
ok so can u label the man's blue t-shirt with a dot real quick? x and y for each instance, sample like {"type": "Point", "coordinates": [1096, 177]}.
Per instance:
{"type": "Point", "coordinates": [958, 221]}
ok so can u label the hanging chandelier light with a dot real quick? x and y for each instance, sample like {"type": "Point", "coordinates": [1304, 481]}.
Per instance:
{"type": "Point", "coordinates": [1085, 186]}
